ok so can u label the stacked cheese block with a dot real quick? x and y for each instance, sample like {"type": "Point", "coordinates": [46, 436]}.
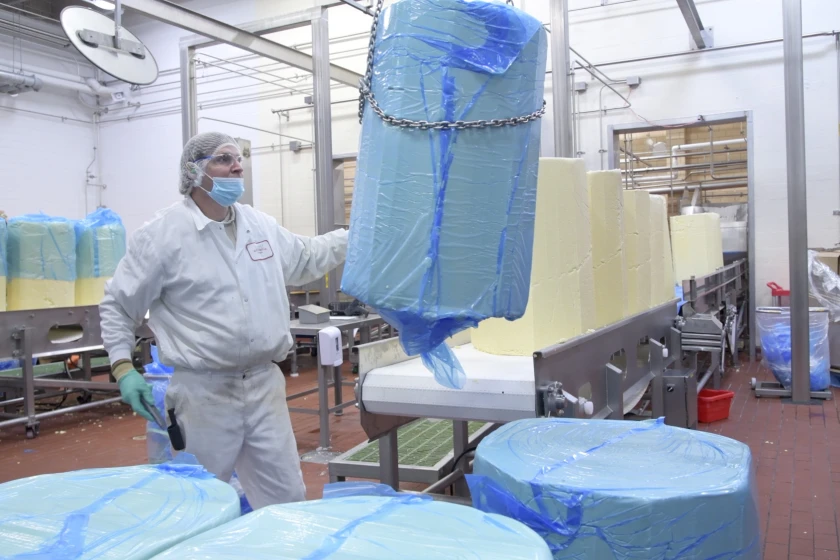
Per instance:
{"type": "Point", "coordinates": [42, 262]}
{"type": "Point", "coordinates": [697, 244]}
{"type": "Point", "coordinates": [601, 253]}
{"type": "Point", "coordinates": [637, 244]}
{"type": "Point", "coordinates": [606, 212]}
{"type": "Point", "coordinates": [661, 263]}
{"type": "Point", "coordinates": [562, 297]}
{"type": "Point", "coordinates": [100, 245]}
{"type": "Point", "coordinates": [128, 513]}
{"type": "Point", "coordinates": [4, 266]}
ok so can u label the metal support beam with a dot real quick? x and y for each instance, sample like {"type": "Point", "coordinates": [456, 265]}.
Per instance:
{"type": "Point", "coordinates": [167, 12]}
{"type": "Point", "coordinates": [358, 6]}
{"type": "Point", "coordinates": [695, 25]}
{"type": "Point", "coordinates": [797, 199]}
{"type": "Point", "coordinates": [562, 90]}
{"type": "Point", "coordinates": [189, 102]}
{"type": "Point", "coordinates": [323, 140]}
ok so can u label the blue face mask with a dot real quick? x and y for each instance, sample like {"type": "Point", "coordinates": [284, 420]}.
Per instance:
{"type": "Point", "coordinates": [226, 190]}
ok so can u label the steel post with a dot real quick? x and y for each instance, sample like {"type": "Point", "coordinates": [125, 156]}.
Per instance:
{"type": "Point", "coordinates": [562, 91]}
{"type": "Point", "coordinates": [797, 201]}
{"type": "Point", "coordinates": [189, 104]}
{"type": "Point", "coordinates": [323, 140]}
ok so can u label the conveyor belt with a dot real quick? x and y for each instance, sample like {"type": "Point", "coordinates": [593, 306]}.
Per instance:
{"type": "Point", "coordinates": [498, 389]}
{"type": "Point", "coordinates": [423, 443]}
{"type": "Point", "coordinates": [55, 368]}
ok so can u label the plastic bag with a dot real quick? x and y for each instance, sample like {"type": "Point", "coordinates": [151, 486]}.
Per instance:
{"type": "Point", "coordinates": [621, 490]}
{"type": "Point", "coordinates": [442, 225]}
{"type": "Point", "coordinates": [824, 285]}
{"type": "Point", "coordinates": [100, 244]}
{"type": "Point", "coordinates": [774, 333]}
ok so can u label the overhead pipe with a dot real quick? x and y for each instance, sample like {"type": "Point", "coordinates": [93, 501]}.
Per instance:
{"type": "Point", "coordinates": [700, 186]}
{"type": "Point", "coordinates": [16, 80]}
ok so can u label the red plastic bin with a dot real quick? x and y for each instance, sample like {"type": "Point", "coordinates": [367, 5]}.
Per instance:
{"type": "Point", "coordinates": [713, 405]}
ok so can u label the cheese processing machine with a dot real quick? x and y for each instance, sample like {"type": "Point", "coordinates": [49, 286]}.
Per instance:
{"type": "Point", "coordinates": [600, 374]}
{"type": "Point", "coordinates": [714, 318]}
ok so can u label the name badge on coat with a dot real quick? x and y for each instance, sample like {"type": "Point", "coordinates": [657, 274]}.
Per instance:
{"type": "Point", "coordinates": [259, 251]}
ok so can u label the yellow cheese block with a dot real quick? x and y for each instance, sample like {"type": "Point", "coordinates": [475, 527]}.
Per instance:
{"type": "Point", "coordinates": [2, 293]}
{"type": "Point", "coordinates": [90, 291]}
{"type": "Point", "coordinates": [696, 245]}
{"type": "Point", "coordinates": [25, 293]}
{"type": "Point", "coordinates": [606, 215]}
{"type": "Point", "coordinates": [561, 303]}
{"type": "Point", "coordinates": [662, 267]}
{"type": "Point", "coordinates": [637, 249]}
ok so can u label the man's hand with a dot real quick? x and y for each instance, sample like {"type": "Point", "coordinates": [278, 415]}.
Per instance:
{"type": "Point", "coordinates": [134, 391]}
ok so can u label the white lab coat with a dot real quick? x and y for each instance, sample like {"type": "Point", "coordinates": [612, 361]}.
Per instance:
{"type": "Point", "coordinates": [221, 313]}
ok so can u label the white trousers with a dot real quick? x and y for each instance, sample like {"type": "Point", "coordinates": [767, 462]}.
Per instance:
{"type": "Point", "coordinates": [240, 420]}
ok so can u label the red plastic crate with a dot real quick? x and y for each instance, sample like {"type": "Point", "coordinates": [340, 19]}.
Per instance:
{"type": "Point", "coordinates": [713, 405]}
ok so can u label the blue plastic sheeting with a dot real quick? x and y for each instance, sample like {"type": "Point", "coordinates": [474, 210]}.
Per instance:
{"type": "Point", "coordinates": [366, 521]}
{"type": "Point", "coordinates": [442, 224]}
{"type": "Point", "coordinates": [42, 247]}
{"type": "Point", "coordinates": [129, 513]}
{"type": "Point", "coordinates": [100, 244]}
{"type": "Point", "coordinates": [620, 489]}
{"type": "Point", "coordinates": [774, 333]}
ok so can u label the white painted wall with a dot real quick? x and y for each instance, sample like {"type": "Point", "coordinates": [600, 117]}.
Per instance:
{"type": "Point", "coordinates": [283, 180]}
{"type": "Point", "coordinates": [46, 157]}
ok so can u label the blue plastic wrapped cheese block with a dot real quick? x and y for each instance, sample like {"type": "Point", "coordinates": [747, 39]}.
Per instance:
{"type": "Point", "coordinates": [442, 223]}
{"type": "Point", "coordinates": [366, 527]}
{"type": "Point", "coordinates": [129, 513]}
{"type": "Point", "coordinates": [42, 262]}
{"type": "Point", "coordinates": [620, 489]}
{"type": "Point", "coordinates": [100, 245]}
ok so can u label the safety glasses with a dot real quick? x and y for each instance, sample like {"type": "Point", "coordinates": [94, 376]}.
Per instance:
{"type": "Point", "coordinates": [222, 159]}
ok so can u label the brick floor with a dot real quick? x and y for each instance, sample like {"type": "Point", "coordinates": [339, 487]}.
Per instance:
{"type": "Point", "coordinates": [796, 451]}
{"type": "Point", "coordinates": [113, 436]}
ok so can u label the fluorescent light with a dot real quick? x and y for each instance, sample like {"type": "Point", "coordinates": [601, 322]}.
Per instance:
{"type": "Point", "coordinates": [102, 4]}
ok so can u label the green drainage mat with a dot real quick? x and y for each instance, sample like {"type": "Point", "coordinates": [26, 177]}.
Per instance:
{"type": "Point", "coordinates": [423, 443]}
{"type": "Point", "coordinates": [55, 368]}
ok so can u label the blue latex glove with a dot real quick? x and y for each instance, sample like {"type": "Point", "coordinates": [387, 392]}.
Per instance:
{"type": "Point", "coordinates": [134, 391]}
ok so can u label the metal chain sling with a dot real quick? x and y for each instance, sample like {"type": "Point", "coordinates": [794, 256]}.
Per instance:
{"type": "Point", "coordinates": [366, 95]}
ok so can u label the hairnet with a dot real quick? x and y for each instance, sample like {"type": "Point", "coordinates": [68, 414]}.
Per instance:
{"type": "Point", "coordinates": [200, 146]}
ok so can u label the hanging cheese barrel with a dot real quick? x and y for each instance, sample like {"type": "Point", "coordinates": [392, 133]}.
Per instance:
{"type": "Point", "coordinates": [442, 223]}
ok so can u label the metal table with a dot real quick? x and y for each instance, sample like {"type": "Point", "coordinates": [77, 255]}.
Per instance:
{"type": "Point", "coordinates": [346, 325]}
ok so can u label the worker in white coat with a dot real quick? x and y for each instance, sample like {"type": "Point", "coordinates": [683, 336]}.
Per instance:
{"type": "Point", "coordinates": [212, 274]}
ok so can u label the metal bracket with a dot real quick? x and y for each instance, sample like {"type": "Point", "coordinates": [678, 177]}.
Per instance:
{"type": "Point", "coordinates": [97, 39]}
{"type": "Point", "coordinates": [554, 401]}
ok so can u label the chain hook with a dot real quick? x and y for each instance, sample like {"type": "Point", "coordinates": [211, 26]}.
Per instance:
{"type": "Point", "coordinates": [366, 97]}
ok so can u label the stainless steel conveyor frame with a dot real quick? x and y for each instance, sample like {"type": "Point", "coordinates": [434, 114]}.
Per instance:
{"type": "Point", "coordinates": [52, 332]}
